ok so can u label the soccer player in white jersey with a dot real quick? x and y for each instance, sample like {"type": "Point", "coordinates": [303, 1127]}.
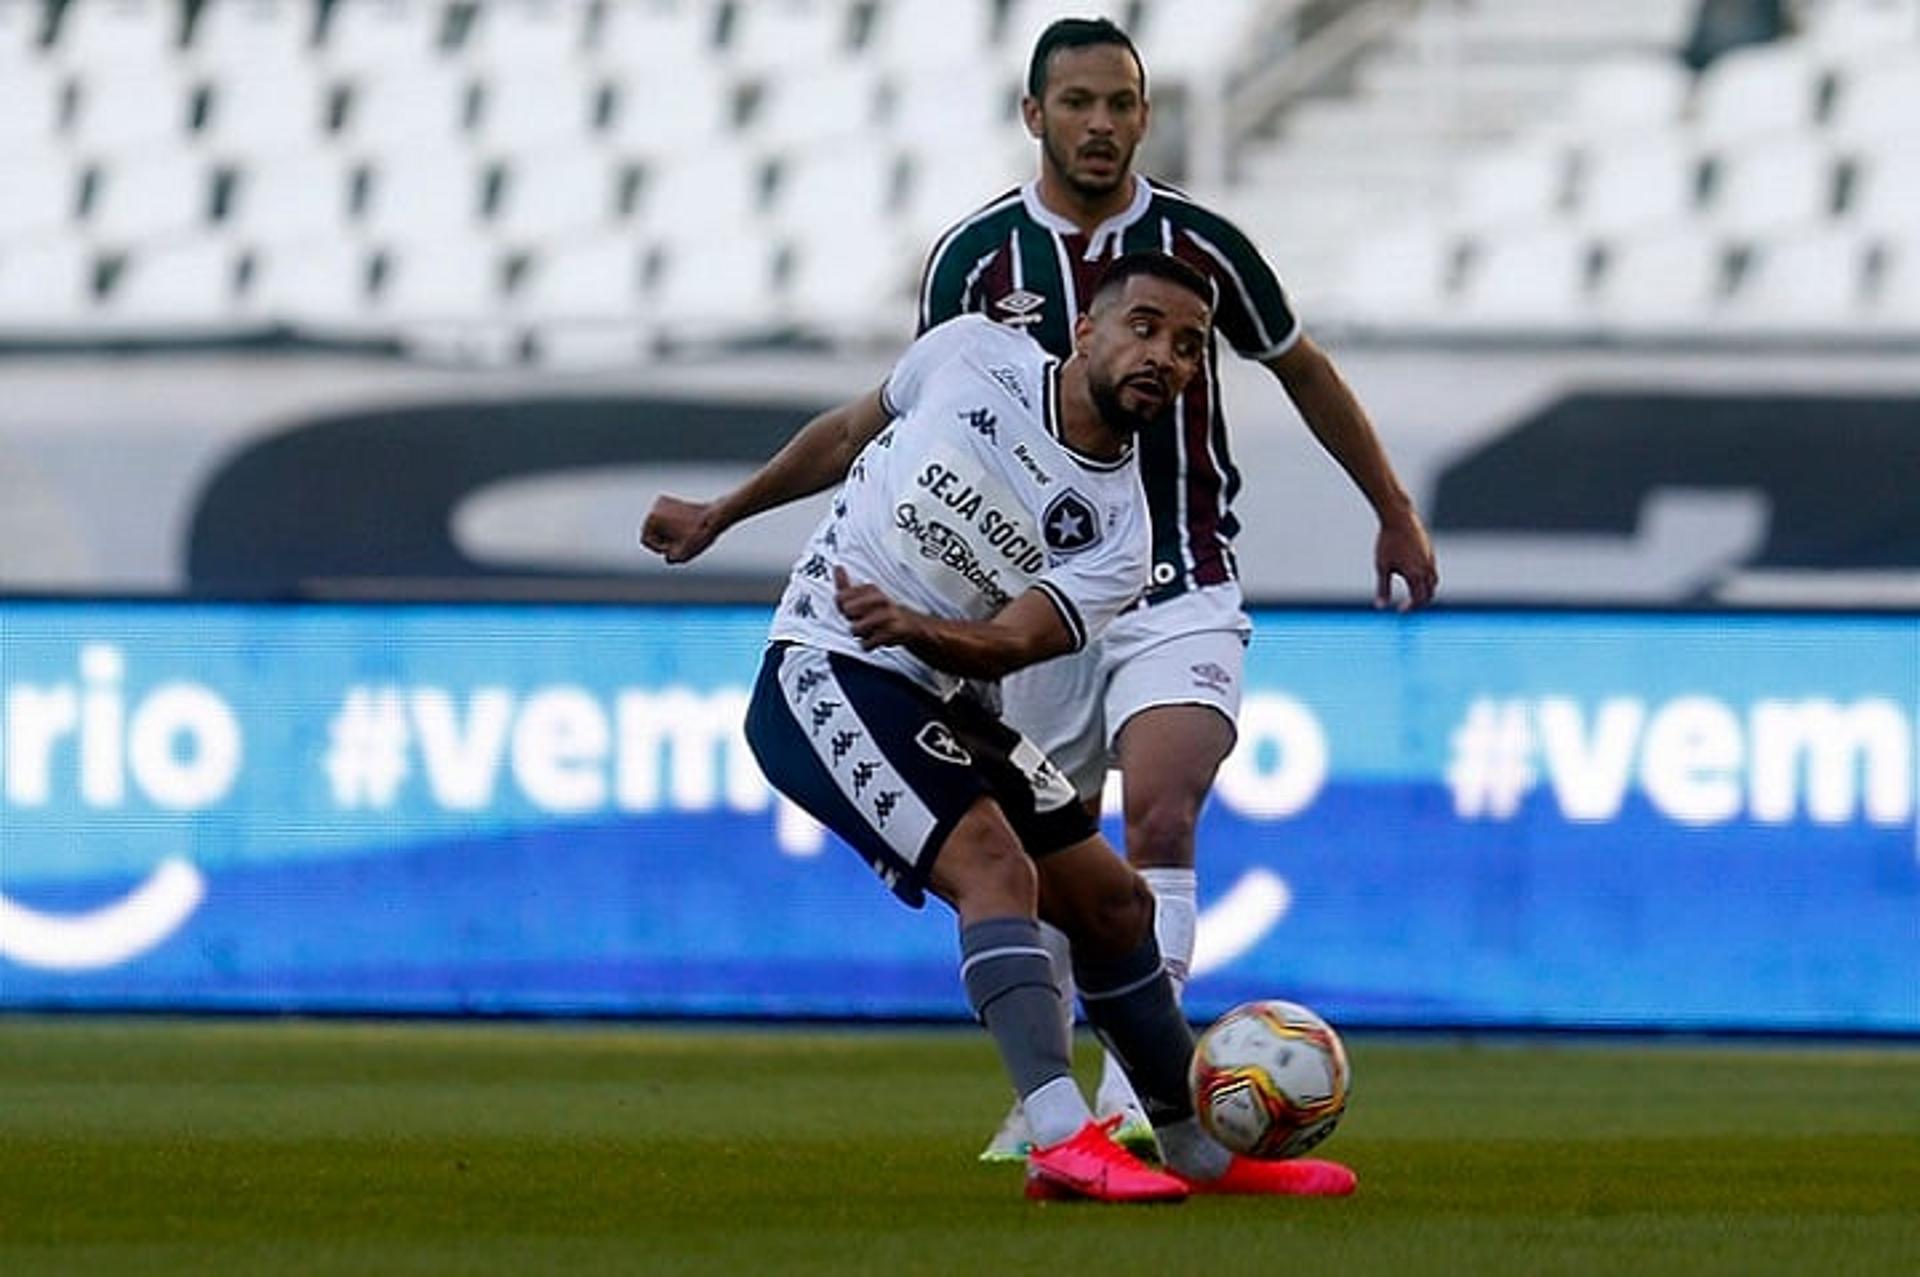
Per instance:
{"type": "Point", "coordinates": [992, 518]}
{"type": "Point", "coordinates": [1159, 695]}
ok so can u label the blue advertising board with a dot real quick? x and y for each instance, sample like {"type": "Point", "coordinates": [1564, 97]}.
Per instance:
{"type": "Point", "coordinates": [1617, 820]}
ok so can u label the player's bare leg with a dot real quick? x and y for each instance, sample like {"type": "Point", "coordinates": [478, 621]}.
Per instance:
{"type": "Point", "coordinates": [1168, 756]}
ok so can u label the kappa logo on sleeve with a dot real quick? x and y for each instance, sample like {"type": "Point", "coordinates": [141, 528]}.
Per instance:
{"type": "Point", "coordinates": [1070, 523]}
{"type": "Point", "coordinates": [937, 739]}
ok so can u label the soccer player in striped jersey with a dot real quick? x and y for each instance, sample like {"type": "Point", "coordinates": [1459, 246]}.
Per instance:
{"type": "Point", "coordinates": [1159, 695]}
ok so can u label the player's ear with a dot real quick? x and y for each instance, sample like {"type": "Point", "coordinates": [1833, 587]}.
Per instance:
{"type": "Point", "coordinates": [1082, 332]}
{"type": "Point", "coordinates": [1030, 112]}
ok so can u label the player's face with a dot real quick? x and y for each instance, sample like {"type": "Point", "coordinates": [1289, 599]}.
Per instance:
{"type": "Point", "coordinates": [1091, 117]}
{"type": "Point", "coordinates": [1142, 346]}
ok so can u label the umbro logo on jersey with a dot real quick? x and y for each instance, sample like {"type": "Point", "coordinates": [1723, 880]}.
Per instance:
{"type": "Point", "coordinates": [1070, 523]}
{"type": "Point", "coordinates": [1020, 308]}
{"type": "Point", "coordinates": [1215, 678]}
{"type": "Point", "coordinates": [937, 739]}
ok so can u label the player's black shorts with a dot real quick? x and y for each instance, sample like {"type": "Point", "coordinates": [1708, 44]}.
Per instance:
{"type": "Point", "coordinates": [891, 768]}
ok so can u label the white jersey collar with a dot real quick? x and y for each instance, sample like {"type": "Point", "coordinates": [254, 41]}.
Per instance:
{"type": "Point", "coordinates": [1107, 233]}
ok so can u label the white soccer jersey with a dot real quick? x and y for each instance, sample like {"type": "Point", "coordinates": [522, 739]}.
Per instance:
{"type": "Point", "coordinates": [968, 499]}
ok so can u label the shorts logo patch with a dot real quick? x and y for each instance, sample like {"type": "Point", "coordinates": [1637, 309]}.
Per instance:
{"type": "Point", "coordinates": [1212, 677]}
{"type": "Point", "coordinates": [1070, 523]}
{"type": "Point", "coordinates": [937, 739]}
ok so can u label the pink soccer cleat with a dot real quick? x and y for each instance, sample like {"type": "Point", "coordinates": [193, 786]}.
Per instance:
{"type": "Point", "coordinates": [1091, 1167]}
{"type": "Point", "coordinates": [1295, 1177]}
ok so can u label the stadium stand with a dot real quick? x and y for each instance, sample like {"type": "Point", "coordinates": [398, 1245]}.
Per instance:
{"type": "Point", "coordinates": [1418, 168]}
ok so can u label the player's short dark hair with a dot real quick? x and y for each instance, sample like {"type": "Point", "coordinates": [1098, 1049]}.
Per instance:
{"type": "Point", "coordinates": [1077, 33]}
{"type": "Point", "coordinates": [1151, 261]}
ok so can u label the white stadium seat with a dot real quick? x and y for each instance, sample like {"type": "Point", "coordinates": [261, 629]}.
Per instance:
{"type": "Point", "coordinates": [1774, 185]}
{"type": "Point", "coordinates": [718, 193]}
{"type": "Point", "coordinates": [254, 37]}
{"type": "Point", "coordinates": [423, 196]}
{"type": "Point", "coordinates": [115, 37]}
{"type": "Point", "coordinates": [317, 285]}
{"type": "Point", "coordinates": [46, 287]}
{"type": "Point", "coordinates": [174, 287]}
{"type": "Point", "coordinates": [383, 37]}
{"type": "Point", "coordinates": [1886, 193]}
{"type": "Point", "coordinates": [552, 195]}
{"type": "Point", "coordinates": [41, 193]}
{"type": "Point", "coordinates": [407, 110]}
{"type": "Point", "coordinates": [1398, 278]}
{"type": "Point", "coordinates": [593, 280]}
{"type": "Point", "coordinates": [301, 195]}
{"type": "Point", "coordinates": [807, 107]}
{"type": "Point", "coordinates": [1896, 306]}
{"type": "Point", "coordinates": [1522, 185]}
{"type": "Point", "coordinates": [672, 36]}
{"type": "Point", "coordinates": [711, 289]}
{"type": "Point", "coordinates": [526, 36]}
{"type": "Point", "coordinates": [21, 29]}
{"type": "Point", "coordinates": [265, 114]}
{"type": "Point", "coordinates": [655, 114]}
{"type": "Point", "coordinates": [1805, 284]}
{"type": "Point", "coordinates": [911, 35]}
{"type": "Point", "coordinates": [1631, 184]}
{"type": "Point", "coordinates": [1879, 107]}
{"type": "Point", "coordinates": [148, 197]}
{"type": "Point", "coordinates": [852, 286]}
{"type": "Point", "coordinates": [116, 112]}
{"type": "Point", "coordinates": [30, 96]}
{"type": "Point", "coordinates": [1661, 283]}
{"type": "Point", "coordinates": [772, 36]}
{"type": "Point", "coordinates": [850, 187]}
{"type": "Point", "coordinates": [1527, 283]}
{"type": "Point", "coordinates": [526, 110]}
{"type": "Point", "coordinates": [1757, 90]}
{"type": "Point", "coordinates": [945, 185]}
{"type": "Point", "coordinates": [1197, 40]}
{"type": "Point", "coordinates": [452, 280]}
{"type": "Point", "coordinates": [970, 107]}
{"type": "Point", "coordinates": [1630, 95]}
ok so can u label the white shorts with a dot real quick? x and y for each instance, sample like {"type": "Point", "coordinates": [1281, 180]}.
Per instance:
{"type": "Point", "coordinates": [1190, 650]}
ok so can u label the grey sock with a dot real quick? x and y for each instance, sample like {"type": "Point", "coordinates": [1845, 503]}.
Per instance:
{"type": "Point", "coordinates": [1132, 1008]}
{"type": "Point", "coordinates": [1009, 982]}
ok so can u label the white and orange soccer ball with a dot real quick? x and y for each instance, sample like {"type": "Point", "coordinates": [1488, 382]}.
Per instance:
{"type": "Point", "coordinates": [1270, 1079]}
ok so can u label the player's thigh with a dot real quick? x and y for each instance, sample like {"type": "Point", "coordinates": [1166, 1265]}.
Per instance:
{"type": "Point", "coordinates": [1176, 705]}
{"type": "Point", "coordinates": [867, 753]}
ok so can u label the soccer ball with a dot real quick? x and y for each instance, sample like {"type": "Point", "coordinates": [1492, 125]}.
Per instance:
{"type": "Point", "coordinates": [1270, 1079]}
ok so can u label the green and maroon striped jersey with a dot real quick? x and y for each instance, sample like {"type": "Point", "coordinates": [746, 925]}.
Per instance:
{"type": "Point", "coordinates": [1017, 262]}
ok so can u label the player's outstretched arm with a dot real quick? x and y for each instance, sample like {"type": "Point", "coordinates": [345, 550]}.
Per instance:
{"type": "Point", "coordinates": [1026, 631]}
{"type": "Point", "coordinates": [816, 458]}
{"type": "Point", "coordinates": [1333, 413]}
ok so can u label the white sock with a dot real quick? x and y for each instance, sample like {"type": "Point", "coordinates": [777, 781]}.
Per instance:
{"type": "Point", "coordinates": [1175, 920]}
{"type": "Point", "coordinates": [1191, 1152]}
{"type": "Point", "coordinates": [1055, 1111]}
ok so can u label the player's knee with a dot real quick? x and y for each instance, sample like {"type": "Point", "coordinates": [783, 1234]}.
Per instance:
{"type": "Point", "coordinates": [982, 861]}
{"type": "Point", "coordinates": [1160, 831]}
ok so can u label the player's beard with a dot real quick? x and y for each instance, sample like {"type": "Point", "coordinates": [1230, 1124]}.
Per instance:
{"type": "Point", "coordinates": [1121, 419]}
{"type": "Point", "coordinates": [1062, 163]}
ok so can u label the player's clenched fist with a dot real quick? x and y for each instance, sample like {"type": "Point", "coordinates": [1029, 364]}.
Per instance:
{"type": "Point", "coordinates": [876, 620]}
{"type": "Point", "coordinates": [678, 530]}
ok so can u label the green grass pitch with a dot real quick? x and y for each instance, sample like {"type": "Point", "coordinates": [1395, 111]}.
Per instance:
{"type": "Point", "coordinates": [170, 1146]}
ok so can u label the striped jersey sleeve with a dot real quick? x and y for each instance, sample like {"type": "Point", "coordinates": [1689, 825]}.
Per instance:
{"type": "Point", "coordinates": [1253, 312]}
{"type": "Point", "coordinates": [949, 285]}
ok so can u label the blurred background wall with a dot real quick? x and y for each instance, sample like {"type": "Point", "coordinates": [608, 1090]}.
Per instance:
{"type": "Point", "coordinates": [428, 297]}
